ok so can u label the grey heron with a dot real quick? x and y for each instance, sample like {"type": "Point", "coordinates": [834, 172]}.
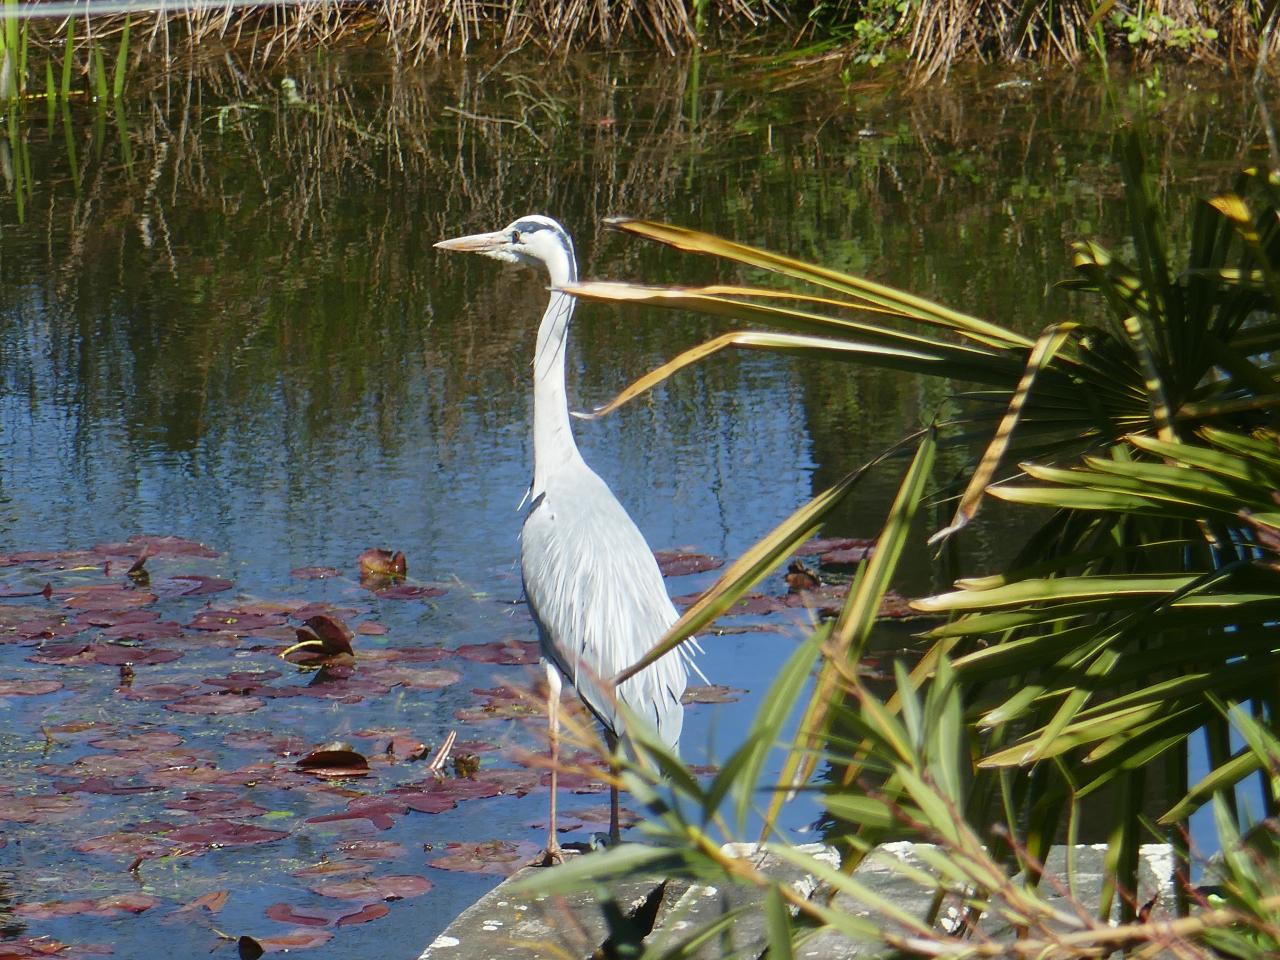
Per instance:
{"type": "Point", "coordinates": [590, 579]}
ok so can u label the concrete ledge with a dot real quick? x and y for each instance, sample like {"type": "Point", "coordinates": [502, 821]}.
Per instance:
{"type": "Point", "coordinates": [658, 911]}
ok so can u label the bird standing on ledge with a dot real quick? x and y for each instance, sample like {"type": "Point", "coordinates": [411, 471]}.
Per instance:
{"type": "Point", "coordinates": [590, 579]}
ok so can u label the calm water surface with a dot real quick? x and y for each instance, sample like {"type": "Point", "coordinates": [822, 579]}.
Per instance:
{"type": "Point", "coordinates": [222, 319]}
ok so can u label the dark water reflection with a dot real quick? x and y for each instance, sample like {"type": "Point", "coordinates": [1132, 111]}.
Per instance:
{"type": "Point", "coordinates": [223, 319]}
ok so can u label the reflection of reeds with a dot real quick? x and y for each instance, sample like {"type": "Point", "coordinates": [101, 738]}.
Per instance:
{"type": "Point", "coordinates": [290, 224]}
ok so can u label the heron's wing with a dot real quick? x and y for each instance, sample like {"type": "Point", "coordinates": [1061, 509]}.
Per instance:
{"type": "Point", "coordinates": [598, 597]}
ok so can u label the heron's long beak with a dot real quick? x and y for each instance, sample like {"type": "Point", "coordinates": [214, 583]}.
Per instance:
{"type": "Point", "coordinates": [476, 243]}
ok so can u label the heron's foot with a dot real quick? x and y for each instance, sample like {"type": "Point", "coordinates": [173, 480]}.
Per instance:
{"type": "Point", "coordinates": [549, 857]}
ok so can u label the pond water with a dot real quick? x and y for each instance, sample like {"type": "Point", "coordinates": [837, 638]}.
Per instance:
{"type": "Point", "coordinates": [223, 321]}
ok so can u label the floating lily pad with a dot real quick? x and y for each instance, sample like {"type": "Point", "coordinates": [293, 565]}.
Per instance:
{"type": "Point", "coordinates": [711, 693]}
{"type": "Point", "coordinates": [501, 651]}
{"type": "Point", "coordinates": [373, 889]}
{"type": "Point", "coordinates": [216, 704]}
{"type": "Point", "coordinates": [28, 688]}
{"type": "Point", "coordinates": [41, 808]}
{"type": "Point", "coordinates": [498, 857]}
{"type": "Point", "coordinates": [335, 760]}
{"type": "Point", "coordinates": [678, 563]}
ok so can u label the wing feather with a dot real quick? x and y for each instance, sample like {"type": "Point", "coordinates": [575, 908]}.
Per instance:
{"type": "Point", "coordinates": [599, 600]}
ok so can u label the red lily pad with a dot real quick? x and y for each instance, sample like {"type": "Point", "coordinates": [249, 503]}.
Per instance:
{"type": "Point", "coordinates": [213, 901]}
{"type": "Point", "coordinates": [118, 654]}
{"type": "Point", "coordinates": [372, 849]}
{"type": "Point", "coordinates": [367, 913]}
{"type": "Point", "coordinates": [381, 562]}
{"type": "Point", "coordinates": [28, 688]}
{"type": "Point", "coordinates": [143, 631]}
{"type": "Point", "coordinates": [127, 843]}
{"type": "Point", "coordinates": [508, 651]}
{"type": "Point", "coordinates": [377, 810]}
{"type": "Point", "coordinates": [410, 591]}
{"type": "Point", "coordinates": [196, 585]}
{"type": "Point", "coordinates": [234, 621]}
{"type": "Point", "coordinates": [217, 805]}
{"type": "Point", "coordinates": [821, 545]}
{"type": "Point", "coordinates": [134, 903]}
{"type": "Point", "coordinates": [146, 740]}
{"type": "Point", "coordinates": [105, 597]}
{"type": "Point", "coordinates": [104, 787]}
{"type": "Point", "coordinates": [331, 634]}
{"type": "Point", "coordinates": [430, 679]}
{"type": "Point", "coordinates": [155, 547]}
{"type": "Point", "coordinates": [251, 948]}
{"type": "Point", "coordinates": [373, 889]}
{"type": "Point", "coordinates": [371, 628]}
{"type": "Point", "coordinates": [711, 693]}
{"type": "Point", "coordinates": [216, 704]}
{"type": "Point", "coordinates": [40, 808]}
{"type": "Point", "coordinates": [224, 833]}
{"type": "Point", "coordinates": [156, 692]}
{"type": "Point", "coordinates": [677, 563]}
{"type": "Point", "coordinates": [287, 913]}
{"type": "Point", "coordinates": [334, 761]}
{"type": "Point", "coordinates": [497, 857]}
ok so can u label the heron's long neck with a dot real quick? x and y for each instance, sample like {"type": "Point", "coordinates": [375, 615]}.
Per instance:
{"type": "Point", "coordinates": [553, 444]}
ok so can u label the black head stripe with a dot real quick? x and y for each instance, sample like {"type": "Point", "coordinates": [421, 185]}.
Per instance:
{"type": "Point", "coordinates": [530, 226]}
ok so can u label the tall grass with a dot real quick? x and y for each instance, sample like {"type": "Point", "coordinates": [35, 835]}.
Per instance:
{"type": "Point", "coordinates": [932, 36]}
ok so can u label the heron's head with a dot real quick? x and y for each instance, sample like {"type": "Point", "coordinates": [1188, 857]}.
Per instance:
{"type": "Point", "coordinates": [535, 241]}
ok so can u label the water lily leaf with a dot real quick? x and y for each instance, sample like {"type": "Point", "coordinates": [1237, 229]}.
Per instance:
{"type": "Point", "coordinates": [192, 585]}
{"type": "Point", "coordinates": [409, 591]}
{"type": "Point", "coordinates": [710, 693]}
{"type": "Point", "coordinates": [217, 805]}
{"type": "Point", "coordinates": [497, 857]}
{"type": "Point", "coordinates": [380, 562]}
{"type": "Point", "coordinates": [508, 651]}
{"type": "Point", "coordinates": [28, 688]}
{"type": "Point", "coordinates": [287, 913]}
{"type": "Point", "coordinates": [251, 948]}
{"type": "Point", "coordinates": [377, 810]}
{"type": "Point", "coordinates": [817, 546]}
{"type": "Point", "coordinates": [105, 597]}
{"type": "Point", "coordinates": [373, 889]}
{"type": "Point", "coordinates": [371, 911]}
{"type": "Point", "coordinates": [372, 849]}
{"type": "Point", "coordinates": [146, 740]}
{"type": "Point", "coordinates": [333, 761]}
{"type": "Point", "coordinates": [108, 906]}
{"type": "Point", "coordinates": [333, 633]}
{"type": "Point", "coordinates": [241, 623]}
{"type": "Point", "coordinates": [40, 808]}
{"type": "Point", "coordinates": [167, 547]}
{"type": "Point", "coordinates": [223, 833]}
{"type": "Point", "coordinates": [679, 563]}
{"type": "Point", "coordinates": [216, 704]}
{"type": "Point", "coordinates": [156, 692]}
{"type": "Point", "coordinates": [213, 901]}
{"type": "Point", "coordinates": [127, 843]}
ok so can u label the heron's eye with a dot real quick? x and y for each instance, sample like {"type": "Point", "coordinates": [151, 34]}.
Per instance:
{"type": "Point", "coordinates": [515, 236]}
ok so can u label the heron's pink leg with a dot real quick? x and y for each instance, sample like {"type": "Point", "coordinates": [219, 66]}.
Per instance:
{"type": "Point", "coordinates": [553, 854]}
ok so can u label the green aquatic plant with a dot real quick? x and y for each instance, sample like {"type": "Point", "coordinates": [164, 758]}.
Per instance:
{"type": "Point", "coordinates": [1090, 661]}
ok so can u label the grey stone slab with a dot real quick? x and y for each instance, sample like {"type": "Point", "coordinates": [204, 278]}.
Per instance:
{"type": "Point", "coordinates": [698, 905]}
{"type": "Point", "coordinates": [500, 926]}
{"type": "Point", "coordinates": [670, 912]}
